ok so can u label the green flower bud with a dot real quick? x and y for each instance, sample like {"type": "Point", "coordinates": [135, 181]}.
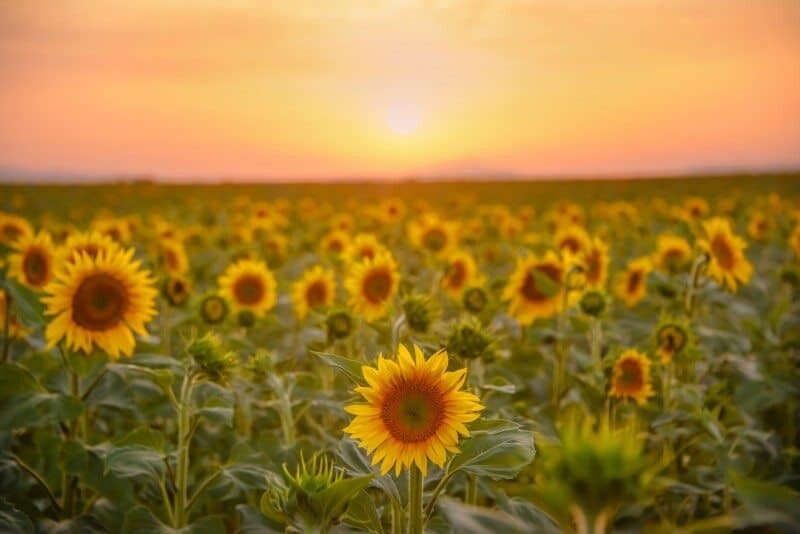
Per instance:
{"type": "Point", "coordinates": [176, 290]}
{"type": "Point", "coordinates": [209, 354]}
{"type": "Point", "coordinates": [593, 303]}
{"type": "Point", "coordinates": [339, 325]}
{"type": "Point", "coordinates": [213, 309]}
{"type": "Point", "coordinates": [475, 299]}
{"type": "Point", "coordinates": [419, 311]}
{"type": "Point", "coordinates": [469, 340]}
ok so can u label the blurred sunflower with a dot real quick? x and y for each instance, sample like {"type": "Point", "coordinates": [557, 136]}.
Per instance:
{"type": "Point", "coordinates": [595, 263]}
{"type": "Point", "coordinates": [727, 262]}
{"type": "Point", "coordinates": [572, 238]}
{"type": "Point", "coordinates": [316, 289]}
{"type": "Point", "coordinates": [213, 309]}
{"type": "Point", "coordinates": [414, 411]}
{"type": "Point", "coordinates": [172, 256]}
{"type": "Point", "coordinates": [632, 283]}
{"type": "Point", "coordinates": [13, 227]}
{"type": "Point", "coordinates": [671, 337]}
{"type": "Point", "coordinates": [249, 285]}
{"type": "Point", "coordinates": [794, 241]}
{"type": "Point", "coordinates": [90, 243]}
{"type": "Point", "coordinates": [631, 377]}
{"type": "Point", "coordinates": [535, 288]}
{"type": "Point", "coordinates": [673, 254]}
{"type": "Point", "coordinates": [117, 229]}
{"type": "Point", "coordinates": [33, 262]}
{"type": "Point", "coordinates": [100, 301]}
{"type": "Point", "coordinates": [363, 246]}
{"type": "Point", "coordinates": [433, 234]}
{"type": "Point", "coordinates": [695, 208]}
{"type": "Point", "coordinates": [177, 289]}
{"type": "Point", "coordinates": [335, 243]}
{"type": "Point", "coordinates": [759, 226]}
{"type": "Point", "coordinates": [372, 284]}
{"type": "Point", "coordinates": [461, 272]}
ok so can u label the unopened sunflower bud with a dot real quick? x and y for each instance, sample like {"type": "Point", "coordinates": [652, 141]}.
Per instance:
{"type": "Point", "coordinates": [475, 299]}
{"type": "Point", "coordinates": [593, 303]}
{"type": "Point", "coordinates": [339, 324]}
{"type": "Point", "coordinates": [208, 352]}
{"type": "Point", "coordinates": [176, 290]}
{"type": "Point", "coordinates": [419, 311]}
{"type": "Point", "coordinates": [469, 340]}
{"type": "Point", "coordinates": [213, 309]}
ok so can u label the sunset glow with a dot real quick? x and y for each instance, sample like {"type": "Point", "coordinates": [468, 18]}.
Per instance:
{"type": "Point", "coordinates": [389, 88]}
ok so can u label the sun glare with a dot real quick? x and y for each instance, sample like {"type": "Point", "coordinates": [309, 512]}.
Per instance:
{"type": "Point", "coordinates": [403, 120]}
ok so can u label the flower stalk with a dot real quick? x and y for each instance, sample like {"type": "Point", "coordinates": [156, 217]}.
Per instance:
{"type": "Point", "coordinates": [415, 482]}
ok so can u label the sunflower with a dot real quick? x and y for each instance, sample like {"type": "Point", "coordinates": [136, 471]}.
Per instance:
{"type": "Point", "coordinates": [631, 377]}
{"type": "Point", "coordinates": [536, 288]}
{"type": "Point", "coordinates": [15, 329]}
{"type": "Point", "coordinates": [432, 234]}
{"type": "Point", "coordinates": [759, 226]}
{"type": "Point", "coordinates": [172, 256]}
{"type": "Point", "coordinates": [249, 285]}
{"type": "Point", "coordinates": [372, 284]}
{"type": "Point", "coordinates": [595, 263]}
{"type": "Point", "coordinates": [213, 309]}
{"type": "Point", "coordinates": [671, 337]}
{"type": "Point", "coordinates": [177, 289]}
{"type": "Point", "coordinates": [673, 253]}
{"type": "Point", "coordinates": [363, 246]}
{"type": "Point", "coordinates": [90, 243]}
{"type": "Point", "coordinates": [335, 243]}
{"type": "Point", "coordinates": [727, 262]}
{"type": "Point", "coordinates": [391, 210]}
{"type": "Point", "coordinates": [33, 262]}
{"type": "Point", "coordinates": [414, 411]}
{"type": "Point", "coordinates": [117, 229]}
{"type": "Point", "coordinates": [572, 238]}
{"type": "Point", "coordinates": [695, 207]}
{"type": "Point", "coordinates": [315, 289]}
{"type": "Point", "coordinates": [100, 301]}
{"type": "Point", "coordinates": [461, 272]}
{"type": "Point", "coordinates": [794, 240]}
{"type": "Point", "coordinates": [13, 228]}
{"type": "Point", "coordinates": [632, 284]}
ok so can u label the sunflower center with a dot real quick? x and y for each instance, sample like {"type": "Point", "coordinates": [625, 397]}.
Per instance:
{"type": "Point", "coordinates": [316, 293]}
{"type": "Point", "coordinates": [672, 338]}
{"type": "Point", "coordinates": [531, 291]}
{"type": "Point", "coordinates": [434, 239]}
{"type": "Point", "coordinates": [456, 274]}
{"type": "Point", "coordinates": [673, 258]}
{"type": "Point", "coordinates": [170, 259]}
{"type": "Point", "coordinates": [593, 266]}
{"type": "Point", "coordinates": [35, 267]}
{"type": "Point", "coordinates": [631, 376]}
{"type": "Point", "coordinates": [248, 290]}
{"type": "Point", "coordinates": [335, 245]}
{"type": "Point", "coordinates": [722, 251]}
{"type": "Point", "coordinates": [377, 285]}
{"type": "Point", "coordinates": [571, 244]}
{"type": "Point", "coordinates": [99, 303]}
{"type": "Point", "coordinates": [367, 252]}
{"type": "Point", "coordinates": [634, 281]}
{"type": "Point", "coordinates": [413, 411]}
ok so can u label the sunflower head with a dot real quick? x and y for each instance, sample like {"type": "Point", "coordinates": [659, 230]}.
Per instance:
{"type": "Point", "coordinates": [461, 271]}
{"type": "Point", "coordinates": [213, 309]}
{"type": "Point", "coordinates": [90, 243]}
{"type": "Point", "coordinates": [420, 311]}
{"type": "Point", "coordinates": [176, 290]}
{"type": "Point", "coordinates": [759, 226]}
{"type": "Point", "coordinates": [413, 412]}
{"type": "Point", "coordinates": [101, 302]}
{"type": "Point", "coordinates": [211, 357]}
{"type": "Point", "coordinates": [593, 303]}
{"type": "Point", "coordinates": [671, 337]}
{"type": "Point", "coordinates": [338, 325]}
{"type": "Point", "coordinates": [631, 377]}
{"type": "Point", "coordinates": [794, 241]}
{"type": "Point", "coordinates": [673, 254]}
{"type": "Point", "coordinates": [316, 289]}
{"type": "Point", "coordinates": [572, 239]}
{"type": "Point", "coordinates": [117, 229]}
{"type": "Point", "coordinates": [249, 285]}
{"type": "Point", "coordinates": [727, 263]}
{"type": "Point", "coordinates": [632, 283]}
{"type": "Point", "coordinates": [33, 261]}
{"type": "Point", "coordinates": [363, 247]}
{"type": "Point", "coordinates": [172, 257]}
{"type": "Point", "coordinates": [468, 339]}
{"type": "Point", "coordinates": [535, 288]}
{"type": "Point", "coordinates": [372, 285]}
{"type": "Point", "coordinates": [433, 235]}
{"type": "Point", "coordinates": [595, 263]}
{"type": "Point", "coordinates": [335, 243]}
{"type": "Point", "coordinates": [475, 299]}
{"type": "Point", "coordinates": [14, 228]}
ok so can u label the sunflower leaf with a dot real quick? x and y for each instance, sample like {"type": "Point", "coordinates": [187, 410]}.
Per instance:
{"type": "Point", "coordinates": [25, 302]}
{"type": "Point", "coordinates": [497, 448]}
{"type": "Point", "coordinates": [350, 367]}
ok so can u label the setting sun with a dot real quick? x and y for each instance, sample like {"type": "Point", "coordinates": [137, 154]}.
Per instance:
{"type": "Point", "coordinates": [403, 120]}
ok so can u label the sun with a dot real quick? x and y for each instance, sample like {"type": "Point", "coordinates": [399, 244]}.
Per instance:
{"type": "Point", "coordinates": [403, 119]}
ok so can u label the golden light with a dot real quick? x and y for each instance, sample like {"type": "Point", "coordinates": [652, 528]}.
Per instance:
{"type": "Point", "coordinates": [403, 120]}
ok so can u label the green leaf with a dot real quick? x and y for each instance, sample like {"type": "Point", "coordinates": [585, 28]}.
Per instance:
{"type": "Point", "coordinates": [351, 368]}
{"type": "Point", "coordinates": [162, 377]}
{"type": "Point", "coordinates": [16, 379]}
{"type": "Point", "coordinates": [13, 521]}
{"type": "Point", "coordinates": [358, 464]}
{"type": "Point", "coordinates": [73, 458]}
{"type": "Point", "coordinates": [498, 449]}
{"type": "Point", "coordinates": [766, 502]}
{"type": "Point", "coordinates": [143, 436]}
{"type": "Point", "coordinates": [218, 410]}
{"type": "Point", "coordinates": [335, 497]}
{"type": "Point", "coordinates": [477, 520]}
{"type": "Point", "coordinates": [363, 514]}
{"type": "Point", "coordinates": [38, 409]}
{"type": "Point", "coordinates": [135, 461]}
{"type": "Point", "coordinates": [140, 519]}
{"type": "Point", "coordinates": [25, 303]}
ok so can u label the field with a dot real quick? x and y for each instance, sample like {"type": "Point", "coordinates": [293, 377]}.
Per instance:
{"type": "Point", "coordinates": [401, 357]}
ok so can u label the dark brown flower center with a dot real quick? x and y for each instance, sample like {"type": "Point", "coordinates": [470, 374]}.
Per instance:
{"type": "Point", "coordinates": [170, 259]}
{"type": "Point", "coordinates": [316, 293]}
{"type": "Point", "coordinates": [11, 232]}
{"type": "Point", "coordinates": [531, 290]}
{"type": "Point", "coordinates": [377, 285]}
{"type": "Point", "coordinates": [671, 338]}
{"type": "Point", "coordinates": [571, 244]}
{"type": "Point", "coordinates": [434, 239]}
{"type": "Point", "coordinates": [35, 265]}
{"type": "Point", "coordinates": [99, 303]}
{"type": "Point", "coordinates": [366, 252]}
{"type": "Point", "coordinates": [593, 266]}
{"type": "Point", "coordinates": [631, 376]}
{"type": "Point", "coordinates": [413, 411]}
{"type": "Point", "coordinates": [635, 279]}
{"type": "Point", "coordinates": [456, 274]}
{"type": "Point", "coordinates": [723, 252]}
{"type": "Point", "coordinates": [248, 290]}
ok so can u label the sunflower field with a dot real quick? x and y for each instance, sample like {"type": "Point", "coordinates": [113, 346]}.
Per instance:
{"type": "Point", "coordinates": [401, 358]}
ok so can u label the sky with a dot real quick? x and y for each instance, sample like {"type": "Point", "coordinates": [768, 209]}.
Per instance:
{"type": "Point", "coordinates": [330, 89]}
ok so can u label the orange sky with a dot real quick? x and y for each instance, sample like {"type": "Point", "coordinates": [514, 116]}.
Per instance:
{"type": "Point", "coordinates": [353, 88]}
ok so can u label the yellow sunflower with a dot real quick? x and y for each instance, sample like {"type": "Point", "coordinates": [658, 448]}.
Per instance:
{"type": "Point", "coordinates": [316, 289]}
{"type": "Point", "coordinates": [414, 411]}
{"type": "Point", "coordinates": [461, 272]}
{"type": "Point", "coordinates": [433, 234]}
{"type": "Point", "coordinates": [535, 288]}
{"type": "Point", "coordinates": [335, 243]}
{"type": "Point", "coordinates": [595, 263]}
{"type": "Point", "coordinates": [172, 256]}
{"type": "Point", "coordinates": [695, 207]}
{"type": "Point", "coordinates": [759, 226]}
{"type": "Point", "coordinates": [631, 377]}
{"type": "Point", "coordinates": [632, 283]}
{"type": "Point", "coordinates": [33, 262]}
{"type": "Point", "coordinates": [90, 243]}
{"type": "Point", "coordinates": [673, 254]}
{"type": "Point", "coordinates": [100, 301]}
{"type": "Point", "coordinates": [177, 289]}
{"type": "Point", "coordinates": [15, 329]}
{"type": "Point", "coordinates": [371, 285]}
{"type": "Point", "coordinates": [249, 285]}
{"type": "Point", "coordinates": [572, 238]}
{"type": "Point", "coordinates": [13, 228]}
{"type": "Point", "coordinates": [727, 262]}
{"type": "Point", "coordinates": [363, 246]}
{"type": "Point", "coordinates": [117, 229]}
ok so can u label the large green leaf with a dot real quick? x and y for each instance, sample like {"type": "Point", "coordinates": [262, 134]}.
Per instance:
{"type": "Point", "coordinates": [16, 379]}
{"type": "Point", "coordinates": [334, 498]}
{"type": "Point", "coordinates": [767, 503]}
{"type": "Point", "coordinates": [139, 520]}
{"type": "Point", "coordinates": [476, 520]}
{"type": "Point", "coordinates": [38, 409]}
{"type": "Point", "coordinates": [26, 304]}
{"type": "Point", "coordinates": [351, 368]}
{"type": "Point", "coordinates": [358, 464]}
{"type": "Point", "coordinates": [135, 461]}
{"type": "Point", "coordinates": [143, 436]}
{"type": "Point", "coordinates": [362, 513]}
{"type": "Point", "coordinates": [497, 448]}
{"type": "Point", "coordinates": [13, 521]}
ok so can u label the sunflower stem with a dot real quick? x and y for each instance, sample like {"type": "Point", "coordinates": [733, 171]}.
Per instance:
{"type": "Point", "coordinates": [694, 277]}
{"type": "Point", "coordinates": [7, 327]}
{"type": "Point", "coordinates": [184, 437]}
{"type": "Point", "coordinates": [596, 339]}
{"type": "Point", "coordinates": [667, 385]}
{"type": "Point", "coordinates": [471, 492]}
{"type": "Point", "coordinates": [415, 522]}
